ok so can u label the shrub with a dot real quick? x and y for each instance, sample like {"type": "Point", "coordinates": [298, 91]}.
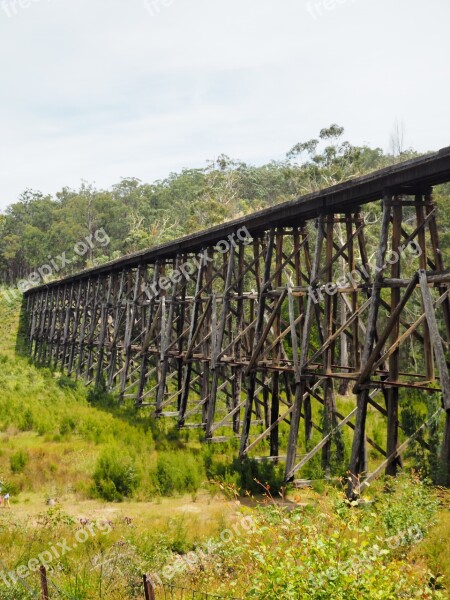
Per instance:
{"type": "Point", "coordinates": [115, 476]}
{"type": "Point", "coordinates": [99, 396]}
{"type": "Point", "coordinates": [308, 553]}
{"type": "Point", "coordinates": [405, 503]}
{"type": "Point", "coordinates": [247, 474]}
{"type": "Point", "coordinates": [68, 425]}
{"type": "Point", "coordinates": [18, 461]}
{"type": "Point", "coordinates": [178, 473]}
{"type": "Point", "coordinates": [27, 421]}
{"type": "Point", "coordinates": [65, 382]}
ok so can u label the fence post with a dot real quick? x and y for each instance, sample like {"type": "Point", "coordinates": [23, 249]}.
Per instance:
{"type": "Point", "coordinates": [149, 588]}
{"type": "Point", "coordinates": [44, 583]}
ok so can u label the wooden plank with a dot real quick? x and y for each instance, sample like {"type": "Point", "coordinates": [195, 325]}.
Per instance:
{"type": "Point", "coordinates": [436, 338]}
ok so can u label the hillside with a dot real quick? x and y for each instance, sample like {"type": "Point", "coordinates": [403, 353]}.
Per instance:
{"type": "Point", "coordinates": [61, 442]}
{"type": "Point", "coordinates": [89, 226]}
{"type": "Point", "coordinates": [73, 460]}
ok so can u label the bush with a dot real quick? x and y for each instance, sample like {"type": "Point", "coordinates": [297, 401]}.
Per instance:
{"type": "Point", "coordinates": [65, 382]}
{"type": "Point", "coordinates": [18, 461]}
{"type": "Point", "coordinates": [68, 425]}
{"type": "Point", "coordinates": [99, 396]}
{"type": "Point", "coordinates": [178, 473]}
{"type": "Point", "coordinates": [309, 553]}
{"type": "Point", "coordinates": [407, 502]}
{"type": "Point", "coordinates": [26, 422]}
{"type": "Point", "coordinates": [115, 476]}
{"type": "Point", "coordinates": [247, 474]}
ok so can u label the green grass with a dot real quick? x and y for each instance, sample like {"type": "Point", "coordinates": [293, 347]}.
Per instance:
{"type": "Point", "coordinates": [60, 440]}
{"type": "Point", "coordinates": [55, 433]}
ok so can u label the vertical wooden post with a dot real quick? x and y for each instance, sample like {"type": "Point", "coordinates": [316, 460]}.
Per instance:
{"type": "Point", "coordinates": [149, 588]}
{"type": "Point", "coordinates": [187, 371]}
{"type": "Point", "coordinates": [129, 330]}
{"type": "Point", "coordinates": [394, 367]}
{"type": "Point", "coordinates": [148, 315]}
{"type": "Point", "coordinates": [275, 404]}
{"type": "Point", "coordinates": [44, 583]}
{"type": "Point", "coordinates": [251, 386]}
{"type": "Point", "coordinates": [438, 257]}
{"type": "Point", "coordinates": [209, 335]}
{"type": "Point", "coordinates": [442, 367]}
{"type": "Point", "coordinates": [301, 389]}
{"type": "Point", "coordinates": [328, 329]}
{"type": "Point", "coordinates": [83, 327]}
{"type": "Point", "coordinates": [237, 381]}
{"type": "Point", "coordinates": [73, 340]}
{"type": "Point", "coordinates": [312, 305]}
{"type": "Point", "coordinates": [439, 263]}
{"type": "Point", "coordinates": [330, 421]}
{"type": "Point", "coordinates": [358, 460]}
{"type": "Point", "coordinates": [104, 311]}
{"type": "Point", "coordinates": [181, 338]}
{"type": "Point", "coordinates": [428, 349]}
{"type": "Point", "coordinates": [218, 337]}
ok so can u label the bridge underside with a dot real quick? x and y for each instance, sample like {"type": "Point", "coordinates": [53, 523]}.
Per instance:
{"type": "Point", "coordinates": [261, 331]}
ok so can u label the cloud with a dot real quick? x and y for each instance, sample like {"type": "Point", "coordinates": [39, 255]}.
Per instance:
{"type": "Point", "coordinates": [99, 90]}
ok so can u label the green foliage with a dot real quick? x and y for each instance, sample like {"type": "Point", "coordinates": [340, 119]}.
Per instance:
{"type": "Point", "coordinates": [177, 473]}
{"type": "Point", "coordinates": [406, 503]}
{"type": "Point", "coordinates": [139, 215]}
{"type": "Point", "coordinates": [18, 461]}
{"type": "Point", "coordinates": [425, 452]}
{"type": "Point", "coordinates": [67, 383]}
{"type": "Point", "coordinates": [98, 396]}
{"type": "Point", "coordinates": [255, 474]}
{"type": "Point", "coordinates": [313, 553]}
{"type": "Point", "coordinates": [248, 475]}
{"type": "Point", "coordinates": [68, 425]}
{"type": "Point", "coordinates": [27, 421]}
{"type": "Point", "coordinates": [115, 476]}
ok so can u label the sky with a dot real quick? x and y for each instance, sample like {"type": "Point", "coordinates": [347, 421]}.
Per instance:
{"type": "Point", "coordinates": [97, 90]}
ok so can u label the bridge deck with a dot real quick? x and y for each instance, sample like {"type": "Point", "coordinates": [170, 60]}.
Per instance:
{"type": "Point", "coordinates": [410, 177]}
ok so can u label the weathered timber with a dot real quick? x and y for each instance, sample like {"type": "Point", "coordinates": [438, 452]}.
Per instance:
{"type": "Point", "coordinates": [252, 328]}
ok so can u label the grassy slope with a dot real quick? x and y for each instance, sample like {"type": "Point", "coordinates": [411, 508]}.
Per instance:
{"type": "Point", "coordinates": [35, 416]}
{"type": "Point", "coordinates": [62, 435]}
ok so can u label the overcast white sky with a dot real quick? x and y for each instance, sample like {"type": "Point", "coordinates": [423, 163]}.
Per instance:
{"type": "Point", "coordinates": [104, 89]}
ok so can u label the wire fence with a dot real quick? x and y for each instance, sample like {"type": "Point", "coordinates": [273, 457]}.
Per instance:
{"type": "Point", "coordinates": [169, 591]}
{"type": "Point", "coordinates": [50, 591]}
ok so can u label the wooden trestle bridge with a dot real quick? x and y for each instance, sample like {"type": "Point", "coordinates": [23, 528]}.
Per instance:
{"type": "Point", "coordinates": [248, 329]}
